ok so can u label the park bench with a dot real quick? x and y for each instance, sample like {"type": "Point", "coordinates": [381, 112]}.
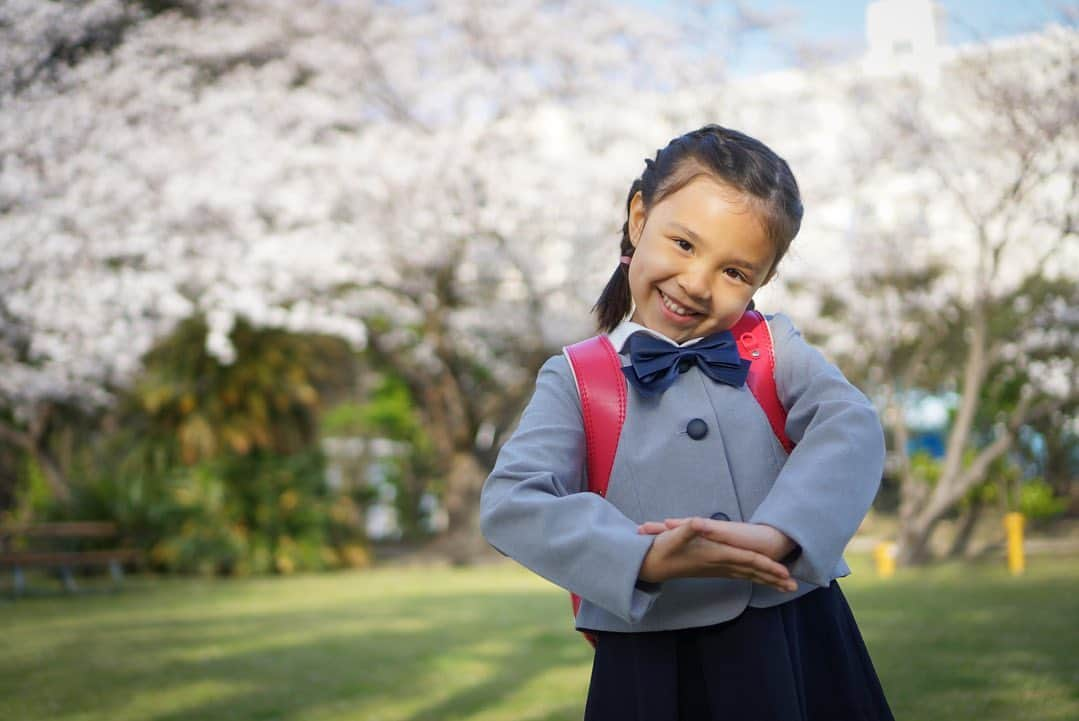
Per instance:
{"type": "Point", "coordinates": [60, 545]}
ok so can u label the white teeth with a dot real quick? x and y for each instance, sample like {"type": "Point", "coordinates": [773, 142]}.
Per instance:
{"type": "Point", "coordinates": [674, 307]}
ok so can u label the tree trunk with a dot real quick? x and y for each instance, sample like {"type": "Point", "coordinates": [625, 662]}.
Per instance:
{"type": "Point", "coordinates": [923, 508]}
{"type": "Point", "coordinates": [34, 443]}
{"type": "Point", "coordinates": [9, 460]}
{"type": "Point", "coordinates": [964, 532]}
{"type": "Point", "coordinates": [462, 543]}
{"type": "Point", "coordinates": [913, 542]}
{"type": "Point", "coordinates": [913, 491]}
{"type": "Point", "coordinates": [53, 476]}
{"type": "Point", "coordinates": [918, 520]}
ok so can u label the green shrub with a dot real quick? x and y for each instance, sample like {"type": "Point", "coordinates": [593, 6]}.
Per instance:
{"type": "Point", "coordinates": [233, 515]}
{"type": "Point", "coordinates": [1037, 501]}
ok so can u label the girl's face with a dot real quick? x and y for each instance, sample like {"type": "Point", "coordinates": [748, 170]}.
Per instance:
{"type": "Point", "coordinates": [700, 255]}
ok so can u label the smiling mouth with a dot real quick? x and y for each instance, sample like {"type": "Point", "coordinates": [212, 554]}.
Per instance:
{"type": "Point", "coordinates": [676, 308]}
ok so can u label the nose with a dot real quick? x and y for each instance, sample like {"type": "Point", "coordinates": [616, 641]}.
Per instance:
{"type": "Point", "coordinates": [695, 282]}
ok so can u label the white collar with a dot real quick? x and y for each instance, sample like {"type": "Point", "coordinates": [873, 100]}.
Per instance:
{"type": "Point", "coordinates": [626, 328]}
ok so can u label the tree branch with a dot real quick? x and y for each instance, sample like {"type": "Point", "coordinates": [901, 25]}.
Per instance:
{"type": "Point", "coordinates": [16, 437]}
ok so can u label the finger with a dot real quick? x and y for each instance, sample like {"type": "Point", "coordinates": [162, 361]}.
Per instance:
{"type": "Point", "coordinates": [715, 530]}
{"type": "Point", "coordinates": [755, 563]}
{"type": "Point", "coordinates": [777, 582]}
{"type": "Point", "coordinates": [674, 543]}
{"type": "Point", "coordinates": [676, 522]}
{"type": "Point", "coordinates": [765, 579]}
{"type": "Point", "coordinates": [784, 585]}
{"type": "Point", "coordinates": [715, 559]}
{"type": "Point", "coordinates": [651, 527]}
{"type": "Point", "coordinates": [733, 561]}
{"type": "Point", "coordinates": [683, 534]}
{"type": "Point", "coordinates": [732, 534]}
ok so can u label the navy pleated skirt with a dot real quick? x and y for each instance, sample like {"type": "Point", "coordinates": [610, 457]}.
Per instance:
{"type": "Point", "coordinates": [803, 660]}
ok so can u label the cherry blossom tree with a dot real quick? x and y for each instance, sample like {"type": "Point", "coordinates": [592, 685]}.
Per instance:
{"type": "Point", "coordinates": [963, 231]}
{"type": "Point", "coordinates": [439, 182]}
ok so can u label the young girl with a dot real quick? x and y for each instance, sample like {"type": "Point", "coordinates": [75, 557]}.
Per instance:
{"type": "Point", "coordinates": [707, 572]}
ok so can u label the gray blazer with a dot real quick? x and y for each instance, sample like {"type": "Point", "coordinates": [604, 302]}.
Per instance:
{"type": "Point", "coordinates": [532, 508]}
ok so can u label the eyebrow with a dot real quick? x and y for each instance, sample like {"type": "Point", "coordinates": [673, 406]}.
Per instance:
{"type": "Point", "coordinates": [697, 239]}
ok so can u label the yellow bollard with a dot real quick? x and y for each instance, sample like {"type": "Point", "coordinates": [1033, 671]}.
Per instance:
{"type": "Point", "coordinates": [1013, 525]}
{"type": "Point", "coordinates": [884, 555]}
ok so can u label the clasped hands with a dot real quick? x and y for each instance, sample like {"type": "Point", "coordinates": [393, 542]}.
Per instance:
{"type": "Point", "coordinates": [702, 547]}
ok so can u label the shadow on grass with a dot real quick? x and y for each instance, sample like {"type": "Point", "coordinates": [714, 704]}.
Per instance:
{"type": "Point", "coordinates": [946, 645]}
{"type": "Point", "coordinates": [536, 653]}
{"type": "Point", "coordinates": [464, 653]}
{"type": "Point", "coordinates": [973, 647]}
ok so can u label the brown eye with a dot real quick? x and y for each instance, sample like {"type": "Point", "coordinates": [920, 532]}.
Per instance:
{"type": "Point", "coordinates": [737, 274]}
{"type": "Point", "coordinates": [683, 244]}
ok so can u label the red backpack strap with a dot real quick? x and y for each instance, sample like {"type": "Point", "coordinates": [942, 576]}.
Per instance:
{"type": "Point", "coordinates": [755, 344]}
{"type": "Point", "coordinates": [601, 386]}
{"type": "Point", "coordinates": [597, 370]}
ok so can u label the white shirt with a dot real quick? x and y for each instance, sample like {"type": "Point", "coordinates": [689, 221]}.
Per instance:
{"type": "Point", "coordinates": [626, 328]}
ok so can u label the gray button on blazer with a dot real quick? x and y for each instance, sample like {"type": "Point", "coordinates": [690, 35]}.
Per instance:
{"type": "Point", "coordinates": [532, 507]}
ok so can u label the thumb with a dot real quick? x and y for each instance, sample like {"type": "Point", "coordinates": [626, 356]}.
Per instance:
{"type": "Point", "coordinates": [682, 534]}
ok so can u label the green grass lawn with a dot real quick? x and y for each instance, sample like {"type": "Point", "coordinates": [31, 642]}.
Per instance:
{"type": "Point", "coordinates": [434, 644]}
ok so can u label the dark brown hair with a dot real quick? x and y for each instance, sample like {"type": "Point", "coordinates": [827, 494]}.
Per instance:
{"type": "Point", "coordinates": [733, 159]}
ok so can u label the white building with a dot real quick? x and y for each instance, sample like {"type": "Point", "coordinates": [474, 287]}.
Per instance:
{"type": "Point", "coordinates": [906, 36]}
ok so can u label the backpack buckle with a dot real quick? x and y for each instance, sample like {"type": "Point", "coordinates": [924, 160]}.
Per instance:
{"type": "Point", "coordinates": [749, 342]}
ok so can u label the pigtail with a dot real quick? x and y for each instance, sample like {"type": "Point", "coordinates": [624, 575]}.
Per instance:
{"type": "Point", "coordinates": [615, 301]}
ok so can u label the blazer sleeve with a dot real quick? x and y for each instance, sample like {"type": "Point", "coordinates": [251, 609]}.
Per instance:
{"type": "Point", "coordinates": [532, 507]}
{"type": "Point", "coordinates": [828, 482]}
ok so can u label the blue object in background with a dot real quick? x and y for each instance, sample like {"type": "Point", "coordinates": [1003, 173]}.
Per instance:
{"type": "Point", "coordinates": [931, 442]}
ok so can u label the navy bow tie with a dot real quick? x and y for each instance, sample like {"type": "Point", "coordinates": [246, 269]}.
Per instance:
{"type": "Point", "coordinates": [656, 363]}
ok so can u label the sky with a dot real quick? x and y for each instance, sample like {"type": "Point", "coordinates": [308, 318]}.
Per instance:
{"type": "Point", "coordinates": [843, 21]}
